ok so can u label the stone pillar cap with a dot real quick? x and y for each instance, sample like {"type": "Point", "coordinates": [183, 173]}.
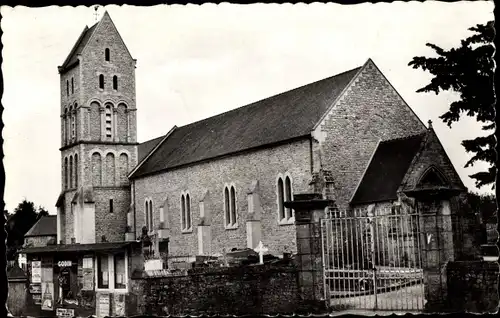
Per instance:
{"type": "Point", "coordinates": [307, 201]}
{"type": "Point", "coordinates": [431, 193]}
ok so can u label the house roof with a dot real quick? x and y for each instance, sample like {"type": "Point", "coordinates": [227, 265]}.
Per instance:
{"type": "Point", "coordinates": [109, 246]}
{"type": "Point", "coordinates": [276, 119]}
{"type": "Point", "coordinates": [386, 171]}
{"type": "Point", "coordinates": [45, 226]}
{"type": "Point", "coordinates": [78, 47]}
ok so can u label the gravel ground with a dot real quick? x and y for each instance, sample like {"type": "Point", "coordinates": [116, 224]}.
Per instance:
{"type": "Point", "coordinates": [407, 299]}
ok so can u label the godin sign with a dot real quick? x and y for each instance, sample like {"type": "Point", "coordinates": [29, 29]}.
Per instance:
{"type": "Point", "coordinates": [64, 263]}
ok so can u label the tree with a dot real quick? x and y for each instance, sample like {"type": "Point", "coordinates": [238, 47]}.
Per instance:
{"type": "Point", "coordinates": [484, 206]}
{"type": "Point", "coordinates": [468, 71]}
{"type": "Point", "coordinates": [19, 223]}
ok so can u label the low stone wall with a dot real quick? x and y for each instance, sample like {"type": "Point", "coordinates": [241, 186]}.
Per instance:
{"type": "Point", "coordinates": [473, 286]}
{"type": "Point", "coordinates": [18, 297]}
{"type": "Point", "coordinates": [268, 288]}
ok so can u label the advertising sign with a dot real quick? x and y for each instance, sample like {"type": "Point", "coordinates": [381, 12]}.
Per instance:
{"type": "Point", "coordinates": [48, 296]}
{"type": "Point", "coordinates": [88, 262]}
{"type": "Point", "coordinates": [65, 312]}
{"type": "Point", "coordinates": [119, 302]}
{"type": "Point", "coordinates": [35, 289]}
{"type": "Point", "coordinates": [103, 305]}
{"type": "Point", "coordinates": [47, 274]}
{"type": "Point", "coordinates": [36, 272]}
{"type": "Point", "coordinates": [64, 263]}
{"type": "Point", "coordinates": [37, 299]}
{"type": "Point", "coordinates": [88, 279]}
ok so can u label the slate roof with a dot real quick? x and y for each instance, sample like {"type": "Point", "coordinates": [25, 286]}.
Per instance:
{"type": "Point", "coordinates": [45, 226]}
{"type": "Point", "coordinates": [145, 148]}
{"type": "Point", "coordinates": [279, 118]}
{"type": "Point", "coordinates": [109, 246]}
{"type": "Point", "coordinates": [60, 199]}
{"type": "Point", "coordinates": [387, 169]}
{"type": "Point", "coordinates": [78, 47]}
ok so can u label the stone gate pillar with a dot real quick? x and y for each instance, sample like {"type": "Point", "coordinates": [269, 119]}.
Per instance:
{"type": "Point", "coordinates": [309, 209]}
{"type": "Point", "coordinates": [436, 244]}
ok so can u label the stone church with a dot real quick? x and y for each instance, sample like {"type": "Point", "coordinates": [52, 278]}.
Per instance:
{"type": "Point", "coordinates": [221, 183]}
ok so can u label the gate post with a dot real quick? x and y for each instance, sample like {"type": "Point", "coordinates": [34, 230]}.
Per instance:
{"type": "Point", "coordinates": [436, 242]}
{"type": "Point", "coordinates": [309, 210]}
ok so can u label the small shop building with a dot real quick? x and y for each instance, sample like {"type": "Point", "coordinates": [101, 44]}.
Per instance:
{"type": "Point", "coordinates": [82, 279]}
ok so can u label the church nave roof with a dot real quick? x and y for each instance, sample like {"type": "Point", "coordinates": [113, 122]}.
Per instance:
{"type": "Point", "coordinates": [286, 116]}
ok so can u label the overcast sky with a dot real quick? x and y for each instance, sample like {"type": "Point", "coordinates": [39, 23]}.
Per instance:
{"type": "Point", "coordinates": [197, 61]}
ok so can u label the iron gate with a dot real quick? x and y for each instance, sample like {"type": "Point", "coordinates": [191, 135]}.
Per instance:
{"type": "Point", "coordinates": [373, 262]}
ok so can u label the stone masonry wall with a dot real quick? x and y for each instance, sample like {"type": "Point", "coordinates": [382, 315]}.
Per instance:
{"type": "Point", "coordinates": [71, 100]}
{"type": "Point", "coordinates": [68, 217]}
{"type": "Point", "coordinates": [18, 297]}
{"type": "Point", "coordinates": [245, 290]}
{"type": "Point", "coordinates": [121, 64]}
{"type": "Point", "coordinates": [371, 110]}
{"type": "Point", "coordinates": [112, 225]}
{"type": "Point", "coordinates": [89, 169]}
{"type": "Point", "coordinates": [240, 170]}
{"type": "Point", "coordinates": [473, 286]}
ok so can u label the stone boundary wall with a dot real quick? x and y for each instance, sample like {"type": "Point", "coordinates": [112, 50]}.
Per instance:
{"type": "Point", "coordinates": [257, 289]}
{"type": "Point", "coordinates": [17, 299]}
{"type": "Point", "coordinates": [473, 286]}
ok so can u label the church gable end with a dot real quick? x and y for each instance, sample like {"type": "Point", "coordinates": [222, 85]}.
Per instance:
{"type": "Point", "coordinates": [431, 168]}
{"type": "Point", "coordinates": [369, 110]}
{"type": "Point", "coordinates": [432, 178]}
{"type": "Point", "coordinates": [105, 35]}
{"type": "Point", "coordinates": [108, 75]}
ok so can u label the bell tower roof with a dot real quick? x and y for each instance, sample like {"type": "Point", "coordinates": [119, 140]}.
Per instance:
{"type": "Point", "coordinates": [77, 48]}
{"type": "Point", "coordinates": [81, 43]}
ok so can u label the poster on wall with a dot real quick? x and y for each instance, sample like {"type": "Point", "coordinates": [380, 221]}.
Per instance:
{"type": "Point", "coordinates": [36, 272]}
{"type": "Point", "coordinates": [48, 296]}
{"type": "Point", "coordinates": [47, 274]}
{"type": "Point", "coordinates": [35, 289]}
{"type": "Point", "coordinates": [119, 302]}
{"type": "Point", "coordinates": [65, 312]}
{"type": "Point", "coordinates": [87, 262]}
{"type": "Point", "coordinates": [37, 299]}
{"type": "Point", "coordinates": [103, 305]}
{"type": "Point", "coordinates": [88, 279]}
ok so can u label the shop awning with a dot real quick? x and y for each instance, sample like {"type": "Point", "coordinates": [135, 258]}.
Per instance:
{"type": "Point", "coordinates": [97, 247]}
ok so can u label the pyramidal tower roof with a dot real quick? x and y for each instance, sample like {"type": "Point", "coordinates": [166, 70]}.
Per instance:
{"type": "Point", "coordinates": [81, 43]}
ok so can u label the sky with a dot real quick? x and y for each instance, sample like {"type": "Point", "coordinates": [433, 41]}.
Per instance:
{"type": "Point", "coordinates": [196, 61]}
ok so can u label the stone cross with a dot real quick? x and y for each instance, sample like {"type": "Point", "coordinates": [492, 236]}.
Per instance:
{"type": "Point", "coordinates": [95, 13]}
{"type": "Point", "coordinates": [261, 250]}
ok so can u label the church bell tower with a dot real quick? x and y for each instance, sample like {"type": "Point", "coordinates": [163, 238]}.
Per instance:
{"type": "Point", "coordinates": [98, 136]}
